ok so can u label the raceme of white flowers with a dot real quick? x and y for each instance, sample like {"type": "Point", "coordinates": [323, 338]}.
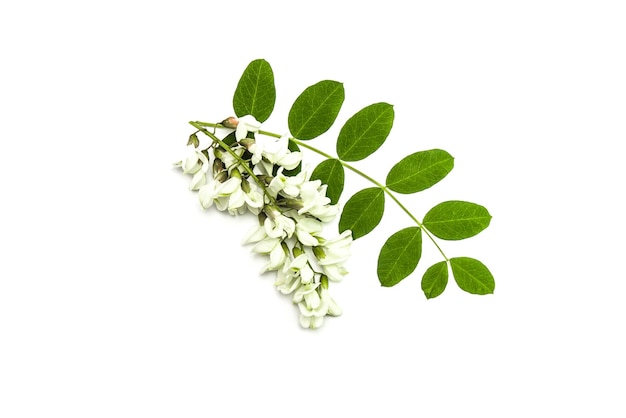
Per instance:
{"type": "Point", "coordinates": [251, 175]}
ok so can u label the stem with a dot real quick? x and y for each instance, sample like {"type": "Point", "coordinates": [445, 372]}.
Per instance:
{"type": "Point", "coordinates": [377, 183]}
{"type": "Point", "coordinates": [346, 165]}
{"type": "Point", "coordinates": [199, 126]}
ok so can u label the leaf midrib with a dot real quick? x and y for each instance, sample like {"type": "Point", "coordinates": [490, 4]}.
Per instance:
{"type": "Point", "coordinates": [404, 250]}
{"type": "Point", "coordinates": [414, 174]}
{"type": "Point", "coordinates": [353, 144]}
{"type": "Point", "coordinates": [304, 125]}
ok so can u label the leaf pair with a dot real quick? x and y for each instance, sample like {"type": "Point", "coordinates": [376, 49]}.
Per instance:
{"type": "Point", "coordinates": [470, 275]}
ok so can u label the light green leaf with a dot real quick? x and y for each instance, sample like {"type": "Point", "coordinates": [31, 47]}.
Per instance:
{"type": "Point", "coordinates": [472, 276]}
{"type": "Point", "coordinates": [331, 173]}
{"type": "Point", "coordinates": [419, 171]}
{"type": "Point", "coordinates": [435, 280]}
{"type": "Point", "coordinates": [399, 256]}
{"type": "Point", "coordinates": [363, 212]}
{"type": "Point", "coordinates": [454, 220]}
{"type": "Point", "coordinates": [316, 109]}
{"type": "Point", "coordinates": [255, 94]}
{"type": "Point", "coordinates": [365, 132]}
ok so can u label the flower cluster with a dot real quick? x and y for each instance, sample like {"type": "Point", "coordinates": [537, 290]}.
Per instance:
{"type": "Point", "coordinates": [247, 173]}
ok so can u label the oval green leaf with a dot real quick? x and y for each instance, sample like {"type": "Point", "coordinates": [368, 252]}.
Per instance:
{"type": "Point", "coordinates": [435, 280]}
{"type": "Point", "coordinates": [455, 220]}
{"type": "Point", "coordinates": [365, 132]}
{"type": "Point", "coordinates": [363, 212]}
{"type": "Point", "coordinates": [316, 109]}
{"type": "Point", "coordinates": [419, 171]}
{"type": "Point", "coordinates": [472, 276]}
{"type": "Point", "coordinates": [331, 173]}
{"type": "Point", "coordinates": [255, 94]}
{"type": "Point", "coordinates": [399, 256]}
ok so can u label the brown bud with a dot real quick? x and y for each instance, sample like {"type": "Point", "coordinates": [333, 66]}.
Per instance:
{"type": "Point", "coordinates": [222, 177]}
{"type": "Point", "coordinates": [230, 122]}
{"type": "Point", "coordinates": [218, 166]}
{"type": "Point", "coordinates": [247, 142]}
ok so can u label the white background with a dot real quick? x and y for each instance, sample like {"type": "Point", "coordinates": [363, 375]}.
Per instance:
{"type": "Point", "coordinates": [120, 296]}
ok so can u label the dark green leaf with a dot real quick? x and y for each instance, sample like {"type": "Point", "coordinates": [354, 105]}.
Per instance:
{"type": "Point", "coordinates": [419, 171]}
{"type": "Point", "coordinates": [363, 212]}
{"type": "Point", "coordinates": [365, 132]}
{"type": "Point", "coordinates": [330, 172]}
{"type": "Point", "coordinates": [316, 109]}
{"type": "Point", "coordinates": [472, 276]}
{"type": "Point", "coordinates": [454, 220]}
{"type": "Point", "coordinates": [435, 280]}
{"type": "Point", "coordinates": [255, 94]}
{"type": "Point", "coordinates": [229, 139]}
{"type": "Point", "coordinates": [399, 256]}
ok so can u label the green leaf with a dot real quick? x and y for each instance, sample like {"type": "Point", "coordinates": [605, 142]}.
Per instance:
{"type": "Point", "coordinates": [419, 171]}
{"type": "Point", "coordinates": [363, 212]}
{"type": "Point", "coordinates": [454, 220]}
{"type": "Point", "coordinates": [399, 256]}
{"type": "Point", "coordinates": [365, 132]}
{"type": "Point", "coordinates": [229, 139]}
{"type": "Point", "coordinates": [330, 172]}
{"type": "Point", "coordinates": [435, 280]}
{"type": "Point", "coordinates": [472, 276]}
{"type": "Point", "coordinates": [255, 94]}
{"type": "Point", "coordinates": [316, 109]}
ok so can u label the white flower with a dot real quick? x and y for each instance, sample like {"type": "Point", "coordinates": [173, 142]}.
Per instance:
{"type": "Point", "coordinates": [229, 161]}
{"type": "Point", "coordinates": [315, 202]}
{"type": "Point", "coordinates": [333, 308]}
{"type": "Point", "coordinates": [276, 249]}
{"type": "Point", "coordinates": [335, 272]}
{"type": "Point", "coordinates": [307, 230]}
{"type": "Point", "coordinates": [292, 275]}
{"type": "Point", "coordinates": [288, 186]}
{"type": "Point", "coordinates": [332, 253]}
{"type": "Point", "coordinates": [276, 151]}
{"type": "Point", "coordinates": [254, 198]}
{"type": "Point", "coordinates": [278, 225]}
{"type": "Point", "coordinates": [255, 234]}
{"type": "Point", "coordinates": [246, 124]}
{"type": "Point", "coordinates": [312, 308]}
{"type": "Point", "coordinates": [218, 193]}
{"type": "Point", "coordinates": [336, 250]}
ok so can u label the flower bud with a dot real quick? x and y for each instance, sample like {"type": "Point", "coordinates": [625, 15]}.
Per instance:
{"type": "Point", "coordinates": [218, 166]}
{"type": "Point", "coordinates": [324, 280]}
{"type": "Point", "coordinates": [230, 122]}
{"type": "Point", "coordinates": [221, 177]}
{"type": "Point", "coordinates": [193, 140]}
{"type": "Point", "coordinates": [247, 142]}
{"type": "Point", "coordinates": [245, 186]}
{"type": "Point", "coordinates": [235, 173]}
{"type": "Point", "coordinates": [297, 251]}
{"type": "Point", "coordinates": [319, 253]}
{"type": "Point", "coordinates": [292, 203]}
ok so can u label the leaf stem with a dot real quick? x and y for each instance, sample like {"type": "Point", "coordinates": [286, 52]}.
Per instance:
{"type": "Point", "coordinates": [346, 165]}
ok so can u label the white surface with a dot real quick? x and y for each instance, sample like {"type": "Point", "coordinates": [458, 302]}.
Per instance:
{"type": "Point", "coordinates": [120, 297]}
